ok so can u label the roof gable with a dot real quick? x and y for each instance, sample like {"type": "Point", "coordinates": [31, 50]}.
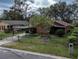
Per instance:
{"type": "Point", "coordinates": [63, 23]}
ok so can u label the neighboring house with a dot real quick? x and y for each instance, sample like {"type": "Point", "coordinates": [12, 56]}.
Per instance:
{"type": "Point", "coordinates": [3, 26]}
{"type": "Point", "coordinates": [60, 25]}
{"type": "Point", "coordinates": [13, 24]}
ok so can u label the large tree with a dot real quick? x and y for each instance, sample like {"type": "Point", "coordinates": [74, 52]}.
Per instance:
{"type": "Point", "coordinates": [61, 11]}
{"type": "Point", "coordinates": [42, 23]}
{"type": "Point", "coordinates": [18, 11]}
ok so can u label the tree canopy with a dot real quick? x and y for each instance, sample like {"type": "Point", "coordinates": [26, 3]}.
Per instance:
{"type": "Point", "coordinates": [61, 11]}
{"type": "Point", "coordinates": [41, 21]}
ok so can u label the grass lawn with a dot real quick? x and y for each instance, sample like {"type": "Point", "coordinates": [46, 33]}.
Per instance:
{"type": "Point", "coordinates": [55, 46]}
{"type": "Point", "coordinates": [4, 35]}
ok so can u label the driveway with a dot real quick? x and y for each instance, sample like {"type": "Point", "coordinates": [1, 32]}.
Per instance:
{"type": "Point", "coordinates": [11, 39]}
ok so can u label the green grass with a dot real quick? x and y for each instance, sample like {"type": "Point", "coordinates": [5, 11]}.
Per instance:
{"type": "Point", "coordinates": [55, 46]}
{"type": "Point", "coordinates": [3, 35]}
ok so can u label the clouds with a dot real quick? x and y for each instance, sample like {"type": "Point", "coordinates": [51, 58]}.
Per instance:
{"type": "Point", "coordinates": [5, 4]}
{"type": "Point", "coordinates": [40, 4]}
{"type": "Point", "coordinates": [44, 3]}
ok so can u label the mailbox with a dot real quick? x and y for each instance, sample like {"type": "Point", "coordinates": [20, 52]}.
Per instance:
{"type": "Point", "coordinates": [71, 49]}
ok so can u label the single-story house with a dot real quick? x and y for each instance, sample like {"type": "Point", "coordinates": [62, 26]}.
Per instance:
{"type": "Point", "coordinates": [57, 25]}
{"type": "Point", "coordinates": [13, 25]}
{"type": "Point", "coordinates": [3, 26]}
{"type": "Point", "coordinates": [23, 25]}
{"type": "Point", "coordinates": [60, 25]}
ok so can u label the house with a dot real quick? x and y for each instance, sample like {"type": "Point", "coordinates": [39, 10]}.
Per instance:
{"type": "Point", "coordinates": [60, 25]}
{"type": "Point", "coordinates": [3, 26]}
{"type": "Point", "coordinates": [56, 26]}
{"type": "Point", "coordinates": [17, 25]}
{"type": "Point", "coordinates": [13, 25]}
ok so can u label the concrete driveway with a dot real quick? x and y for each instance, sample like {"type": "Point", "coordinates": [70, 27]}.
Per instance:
{"type": "Point", "coordinates": [11, 39]}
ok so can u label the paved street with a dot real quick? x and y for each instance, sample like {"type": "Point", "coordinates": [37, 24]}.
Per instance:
{"type": "Point", "coordinates": [10, 55]}
{"type": "Point", "coordinates": [7, 53]}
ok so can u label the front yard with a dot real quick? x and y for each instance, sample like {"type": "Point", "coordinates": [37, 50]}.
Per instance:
{"type": "Point", "coordinates": [4, 35]}
{"type": "Point", "coordinates": [55, 46]}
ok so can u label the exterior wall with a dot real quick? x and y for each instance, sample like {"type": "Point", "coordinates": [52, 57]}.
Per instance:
{"type": "Point", "coordinates": [3, 26]}
{"type": "Point", "coordinates": [54, 29]}
{"type": "Point", "coordinates": [41, 30]}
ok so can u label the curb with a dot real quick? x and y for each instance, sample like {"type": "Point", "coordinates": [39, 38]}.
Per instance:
{"type": "Point", "coordinates": [34, 53]}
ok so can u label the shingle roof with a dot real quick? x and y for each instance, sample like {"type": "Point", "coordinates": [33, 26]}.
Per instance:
{"type": "Point", "coordinates": [63, 23]}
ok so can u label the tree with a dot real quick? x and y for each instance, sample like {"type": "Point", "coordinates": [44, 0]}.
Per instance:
{"type": "Point", "coordinates": [22, 7]}
{"type": "Point", "coordinates": [61, 11]}
{"type": "Point", "coordinates": [74, 16]}
{"type": "Point", "coordinates": [5, 15]}
{"type": "Point", "coordinates": [18, 11]}
{"type": "Point", "coordinates": [42, 23]}
{"type": "Point", "coordinates": [43, 11]}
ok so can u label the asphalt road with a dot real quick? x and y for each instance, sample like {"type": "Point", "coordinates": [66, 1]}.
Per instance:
{"type": "Point", "coordinates": [7, 54]}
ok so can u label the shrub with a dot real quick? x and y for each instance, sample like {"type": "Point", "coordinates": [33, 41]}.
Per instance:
{"type": "Point", "coordinates": [75, 32]}
{"type": "Point", "coordinates": [60, 32]}
{"type": "Point", "coordinates": [6, 31]}
{"type": "Point", "coordinates": [72, 39]}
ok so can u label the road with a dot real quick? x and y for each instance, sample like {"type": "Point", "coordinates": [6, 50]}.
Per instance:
{"type": "Point", "coordinates": [8, 54]}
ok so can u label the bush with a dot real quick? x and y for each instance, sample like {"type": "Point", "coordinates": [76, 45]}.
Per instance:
{"type": "Point", "coordinates": [72, 39]}
{"type": "Point", "coordinates": [60, 32]}
{"type": "Point", "coordinates": [75, 32]}
{"type": "Point", "coordinates": [6, 31]}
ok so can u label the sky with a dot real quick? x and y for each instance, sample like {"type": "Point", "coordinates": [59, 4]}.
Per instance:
{"type": "Point", "coordinates": [5, 4]}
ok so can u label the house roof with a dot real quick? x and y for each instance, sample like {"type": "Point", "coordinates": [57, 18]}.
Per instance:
{"type": "Point", "coordinates": [62, 23]}
{"type": "Point", "coordinates": [15, 22]}
{"type": "Point", "coordinates": [58, 26]}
